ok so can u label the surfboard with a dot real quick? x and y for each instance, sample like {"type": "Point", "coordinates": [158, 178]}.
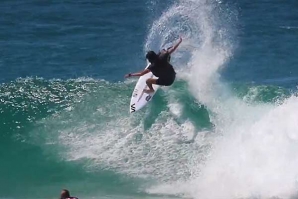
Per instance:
{"type": "Point", "coordinates": [138, 98]}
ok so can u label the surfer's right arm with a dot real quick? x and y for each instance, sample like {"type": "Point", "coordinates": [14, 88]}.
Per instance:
{"type": "Point", "coordinates": [137, 74]}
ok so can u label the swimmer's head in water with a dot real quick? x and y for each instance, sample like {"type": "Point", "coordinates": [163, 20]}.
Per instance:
{"type": "Point", "coordinates": [64, 194]}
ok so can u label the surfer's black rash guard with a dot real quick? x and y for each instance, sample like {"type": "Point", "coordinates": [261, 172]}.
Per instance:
{"type": "Point", "coordinates": [163, 69]}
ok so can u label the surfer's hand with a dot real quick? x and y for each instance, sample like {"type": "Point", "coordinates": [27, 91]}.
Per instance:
{"type": "Point", "coordinates": [180, 39]}
{"type": "Point", "coordinates": [127, 75]}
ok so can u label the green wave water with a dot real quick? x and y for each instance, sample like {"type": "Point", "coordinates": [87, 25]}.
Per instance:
{"type": "Point", "coordinates": [64, 133]}
{"type": "Point", "coordinates": [26, 164]}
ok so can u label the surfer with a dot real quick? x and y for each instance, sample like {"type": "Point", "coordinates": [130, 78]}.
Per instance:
{"type": "Point", "coordinates": [160, 67]}
{"type": "Point", "coordinates": [66, 195]}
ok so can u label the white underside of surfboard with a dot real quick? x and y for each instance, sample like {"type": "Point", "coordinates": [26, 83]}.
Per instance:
{"type": "Point", "coordinates": [139, 99]}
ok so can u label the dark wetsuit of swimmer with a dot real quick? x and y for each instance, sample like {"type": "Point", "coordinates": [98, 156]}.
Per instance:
{"type": "Point", "coordinates": [162, 69]}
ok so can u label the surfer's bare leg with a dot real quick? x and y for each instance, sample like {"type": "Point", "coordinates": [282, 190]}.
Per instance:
{"type": "Point", "coordinates": [149, 83]}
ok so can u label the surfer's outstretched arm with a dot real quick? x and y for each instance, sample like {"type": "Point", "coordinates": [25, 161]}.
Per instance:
{"type": "Point", "coordinates": [172, 49]}
{"type": "Point", "coordinates": [137, 74]}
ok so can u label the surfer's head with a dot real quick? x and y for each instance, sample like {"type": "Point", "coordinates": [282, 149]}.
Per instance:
{"type": "Point", "coordinates": [151, 56]}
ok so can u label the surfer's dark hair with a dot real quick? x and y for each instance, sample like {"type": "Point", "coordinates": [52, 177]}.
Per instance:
{"type": "Point", "coordinates": [65, 194]}
{"type": "Point", "coordinates": [151, 56]}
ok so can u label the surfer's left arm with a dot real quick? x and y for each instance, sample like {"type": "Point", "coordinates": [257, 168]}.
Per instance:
{"type": "Point", "coordinates": [137, 74]}
{"type": "Point", "coordinates": [172, 49]}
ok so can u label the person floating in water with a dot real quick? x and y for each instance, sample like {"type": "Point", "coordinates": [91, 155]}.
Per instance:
{"type": "Point", "coordinates": [66, 195]}
{"type": "Point", "coordinates": [160, 67]}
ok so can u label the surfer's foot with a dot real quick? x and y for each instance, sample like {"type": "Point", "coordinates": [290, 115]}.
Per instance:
{"type": "Point", "coordinates": [148, 91]}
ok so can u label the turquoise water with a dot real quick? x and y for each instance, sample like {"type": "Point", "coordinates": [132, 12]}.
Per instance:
{"type": "Point", "coordinates": [227, 128]}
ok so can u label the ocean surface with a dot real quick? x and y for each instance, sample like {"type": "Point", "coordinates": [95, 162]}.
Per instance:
{"type": "Point", "coordinates": [226, 129]}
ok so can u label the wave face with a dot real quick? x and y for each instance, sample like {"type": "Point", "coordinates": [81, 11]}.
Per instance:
{"type": "Point", "coordinates": [80, 130]}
